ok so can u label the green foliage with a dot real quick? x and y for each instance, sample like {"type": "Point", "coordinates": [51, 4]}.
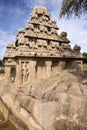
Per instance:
{"type": "Point", "coordinates": [76, 7]}
{"type": "Point", "coordinates": [85, 66]}
{"type": "Point", "coordinates": [1, 64]}
{"type": "Point", "coordinates": [84, 60]}
{"type": "Point", "coordinates": [85, 55]}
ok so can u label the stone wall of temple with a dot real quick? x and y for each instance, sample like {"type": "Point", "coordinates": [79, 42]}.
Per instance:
{"type": "Point", "coordinates": [39, 51]}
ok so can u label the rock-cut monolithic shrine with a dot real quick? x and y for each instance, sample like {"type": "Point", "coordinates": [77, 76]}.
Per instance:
{"type": "Point", "coordinates": [43, 86]}
{"type": "Point", "coordinates": [39, 51]}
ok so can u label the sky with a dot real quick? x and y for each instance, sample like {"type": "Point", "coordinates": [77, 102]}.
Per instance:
{"type": "Point", "coordinates": [14, 14]}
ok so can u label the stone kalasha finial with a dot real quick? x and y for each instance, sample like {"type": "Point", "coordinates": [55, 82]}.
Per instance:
{"type": "Point", "coordinates": [77, 48]}
{"type": "Point", "coordinates": [63, 36]}
{"type": "Point", "coordinates": [40, 10]}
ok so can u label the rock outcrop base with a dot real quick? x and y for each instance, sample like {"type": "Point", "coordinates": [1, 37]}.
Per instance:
{"type": "Point", "coordinates": [56, 103]}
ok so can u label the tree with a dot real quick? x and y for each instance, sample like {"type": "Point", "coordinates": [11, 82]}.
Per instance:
{"type": "Point", "coordinates": [1, 63]}
{"type": "Point", "coordinates": [84, 58]}
{"type": "Point", "coordinates": [76, 7]}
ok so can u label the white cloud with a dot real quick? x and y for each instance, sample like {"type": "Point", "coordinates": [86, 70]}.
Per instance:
{"type": "Point", "coordinates": [76, 31]}
{"type": "Point", "coordinates": [52, 5]}
{"type": "Point", "coordinates": [16, 12]}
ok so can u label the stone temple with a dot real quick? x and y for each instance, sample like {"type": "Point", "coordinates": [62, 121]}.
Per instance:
{"type": "Point", "coordinates": [39, 51]}
{"type": "Point", "coordinates": [42, 86]}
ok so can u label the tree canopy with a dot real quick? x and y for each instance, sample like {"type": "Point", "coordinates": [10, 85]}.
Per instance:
{"type": "Point", "coordinates": [85, 58]}
{"type": "Point", "coordinates": [76, 7]}
{"type": "Point", "coordinates": [1, 63]}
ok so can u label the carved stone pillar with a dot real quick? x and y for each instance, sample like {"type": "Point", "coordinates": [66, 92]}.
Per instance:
{"type": "Point", "coordinates": [48, 68]}
{"type": "Point", "coordinates": [78, 64]}
{"type": "Point", "coordinates": [39, 71]}
{"type": "Point", "coordinates": [7, 73]}
{"type": "Point", "coordinates": [32, 70]}
{"type": "Point", "coordinates": [43, 71]}
{"type": "Point", "coordinates": [54, 67]}
{"type": "Point", "coordinates": [61, 66]}
{"type": "Point", "coordinates": [18, 79]}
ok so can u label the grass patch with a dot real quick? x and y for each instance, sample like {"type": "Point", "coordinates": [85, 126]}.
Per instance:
{"type": "Point", "coordinates": [85, 66]}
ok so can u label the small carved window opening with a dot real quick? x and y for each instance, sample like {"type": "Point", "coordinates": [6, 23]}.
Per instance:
{"type": "Point", "coordinates": [78, 62]}
{"type": "Point", "coordinates": [49, 29]}
{"type": "Point", "coordinates": [40, 15]}
{"type": "Point", "coordinates": [48, 42]}
{"type": "Point", "coordinates": [31, 39]}
{"type": "Point", "coordinates": [36, 25]}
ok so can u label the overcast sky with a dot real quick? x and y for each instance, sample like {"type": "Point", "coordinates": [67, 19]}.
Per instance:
{"type": "Point", "coordinates": [14, 14]}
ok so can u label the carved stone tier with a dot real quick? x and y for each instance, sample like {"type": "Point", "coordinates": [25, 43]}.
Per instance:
{"type": "Point", "coordinates": [39, 51]}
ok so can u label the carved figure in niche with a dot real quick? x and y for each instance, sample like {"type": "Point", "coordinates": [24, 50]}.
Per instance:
{"type": "Point", "coordinates": [25, 72]}
{"type": "Point", "coordinates": [32, 43]}
{"type": "Point", "coordinates": [53, 44]}
{"type": "Point", "coordinates": [41, 28]}
{"type": "Point", "coordinates": [36, 28]}
{"type": "Point", "coordinates": [12, 74]}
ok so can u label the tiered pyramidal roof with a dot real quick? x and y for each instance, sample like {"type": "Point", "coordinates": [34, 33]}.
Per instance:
{"type": "Point", "coordinates": [40, 38]}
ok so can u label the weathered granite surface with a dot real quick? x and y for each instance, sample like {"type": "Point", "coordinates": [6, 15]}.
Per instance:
{"type": "Point", "coordinates": [42, 86]}
{"type": "Point", "coordinates": [55, 103]}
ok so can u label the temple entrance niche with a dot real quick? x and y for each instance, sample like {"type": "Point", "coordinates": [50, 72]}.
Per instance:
{"type": "Point", "coordinates": [13, 74]}
{"type": "Point", "coordinates": [55, 67]}
{"type": "Point", "coordinates": [70, 64]}
{"type": "Point", "coordinates": [41, 69]}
